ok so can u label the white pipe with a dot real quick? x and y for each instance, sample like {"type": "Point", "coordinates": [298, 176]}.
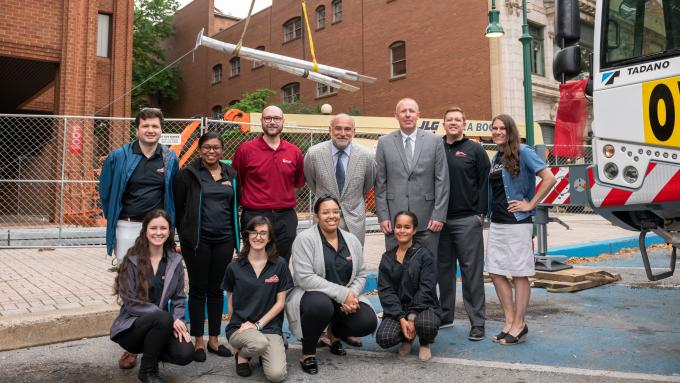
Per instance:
{"type": "Point", "coordinates": [317, 77]}
{"type": "Point", "coordinates": [268, 57]}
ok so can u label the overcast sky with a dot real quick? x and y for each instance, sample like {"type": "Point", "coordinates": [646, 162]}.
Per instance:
{"type": "Point", "coordinates": [238, 8]}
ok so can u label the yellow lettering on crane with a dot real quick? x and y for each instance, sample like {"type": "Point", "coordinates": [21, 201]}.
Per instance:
{"type": "Point", "coordinates": [661, 111]}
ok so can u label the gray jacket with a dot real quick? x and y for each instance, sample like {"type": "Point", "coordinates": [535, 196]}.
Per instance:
{"type": "Point", "coordinates": [424, 190]}
{"type": "Point", "coordinates": [309, 273]}
{"type": "Point", "coordinates": [359, 178]}
{"type": "Point", "coordinates": [173, 289]}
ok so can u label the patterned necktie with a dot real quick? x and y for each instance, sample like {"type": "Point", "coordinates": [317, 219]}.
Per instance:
{"type": "Point", "coordinates": [409, 152]}
{"type": "Point", "coordinates": [340, 171]}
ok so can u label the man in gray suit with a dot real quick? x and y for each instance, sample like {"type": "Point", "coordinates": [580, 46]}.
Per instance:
{"type": "Point", "coordinates": [344, 171]}
{"type": "Point", "coordinates": [411, 175]}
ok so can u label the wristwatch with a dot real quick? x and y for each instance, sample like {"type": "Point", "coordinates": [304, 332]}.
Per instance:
{"type": "Point", "coordinates": [411, 317]}
{"type": "Point", "coordinates": [259, 325]}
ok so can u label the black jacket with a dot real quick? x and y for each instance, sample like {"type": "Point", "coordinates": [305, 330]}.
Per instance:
{"type": "Point", "coordinates": [188, 203]}
{"type": "Point", "coordinates": [468, 166]}
{"type": "Point", "coordinates": [415, 290]}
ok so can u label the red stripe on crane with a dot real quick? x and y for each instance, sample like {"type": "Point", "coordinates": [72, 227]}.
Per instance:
{"type": "Point", "coordinates": [670, 191]}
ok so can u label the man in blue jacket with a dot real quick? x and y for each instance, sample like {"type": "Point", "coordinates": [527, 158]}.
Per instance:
{"type": "Point", "coordinates": [136, 178]}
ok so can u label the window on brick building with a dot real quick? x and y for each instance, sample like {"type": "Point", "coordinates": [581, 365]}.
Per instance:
{"type": "Point", "coordinates": [537, 54]}
{"type": "Point", "coordinates": [235, 64]}
{"type": "Point", "coordinates": [258, 63]}
{"type": "Point", "coordinates": [217, 73]}
{"type": "Point", "coordinates": [324, 90]}
{"type": "Point", "coordinates": [398, 59]}
{"type": "Point", "coordinates": [292, 29]}
{"type": "Point", "coordinates": [337, 10]}
{"type": "Point", "coordinates": [320, 17]}
{"type": "Point", "coordinates": [217, 112]}
{"type": "Point", "coordinates": [104, 35]}
{"type": "Point", "coordinates": [291, 93]}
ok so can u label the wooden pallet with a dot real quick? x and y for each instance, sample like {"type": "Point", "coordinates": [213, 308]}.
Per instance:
{"type": "Point", "coordinates": [571, 280]}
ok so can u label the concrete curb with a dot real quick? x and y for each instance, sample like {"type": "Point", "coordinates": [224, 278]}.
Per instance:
{"type": "Point", "coordinates": [22, 331]}
{"type": "Point", "coordinates": [593, 249]}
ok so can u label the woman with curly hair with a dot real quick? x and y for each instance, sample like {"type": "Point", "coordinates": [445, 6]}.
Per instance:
{"type": "Point", "coordinates": [150, 289]}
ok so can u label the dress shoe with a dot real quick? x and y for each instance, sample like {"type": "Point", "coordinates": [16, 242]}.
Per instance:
{"type": "Point", "coordinates": [476, 333]}
{"type": "Point", "coordinates": [497, 338]}
{"type": "Point", "coordinates": [127, 361]}
{"type": "Point", "coordinates": [152, 377]}
{"type": "Point", "coordinates": [513, 340]}
{"type": "Point", "coordinates": [337, 349]}
{"type": "Point", "coordinates": [424, 354]}
{"type": "Point", "coordinates": [310, 365]}
{"type": "Point", "coordinates": [446, 324]}
{"type": "Point", "coordinates": [242, 369]}
{"type": "Point", "coordinates": [199, 355]}
{"type": "Point", "coordinates": [222, 351]}
{"type": "Point", "coordinates": [404, 348]}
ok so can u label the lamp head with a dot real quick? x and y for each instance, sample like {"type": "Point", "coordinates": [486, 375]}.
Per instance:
{"type": "Point", "coordinates": [494, 28]}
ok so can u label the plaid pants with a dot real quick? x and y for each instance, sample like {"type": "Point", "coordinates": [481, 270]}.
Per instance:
{"type": "Point", "coordinates": [389, 333]}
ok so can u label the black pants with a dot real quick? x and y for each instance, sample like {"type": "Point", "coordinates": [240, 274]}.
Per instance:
{"type": "Point", "coordinates": [151, 335]}
{"type": "Point", "coordinates": [285, 227]}
{"type": "Point", "coordinates": [317, 311]}
{"type": "Point", "coordinates": [389, 333]}
{"type": "Point", "coordinates": [206, 270]}
{"type": "Point", "coordinates": [461, 242]}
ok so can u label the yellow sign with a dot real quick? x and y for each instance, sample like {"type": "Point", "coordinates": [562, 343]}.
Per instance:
{"type": "Point", "coordinates": [661, 111]}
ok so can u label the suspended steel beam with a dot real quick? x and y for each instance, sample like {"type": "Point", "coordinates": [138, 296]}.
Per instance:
{"type": "Point", "coordinates": [273, 58]}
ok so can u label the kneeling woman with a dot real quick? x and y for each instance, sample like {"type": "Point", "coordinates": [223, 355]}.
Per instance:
{"type": "Point", "coordinates": [407, 278]}
{"type": "Point", "coordinates": [329, 274]}
{"type": "Point", "coordinates": [257, 282]}
{"type": "Point", "coordinates": [150, 275]}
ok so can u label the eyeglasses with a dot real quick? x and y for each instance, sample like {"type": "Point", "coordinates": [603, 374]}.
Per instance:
{"type": "Point", "coordinates": [215, 148]}
{"type": "Point", "coordinates": [261, 234]}
{"type": "Point", "coordinates": [270, 119]}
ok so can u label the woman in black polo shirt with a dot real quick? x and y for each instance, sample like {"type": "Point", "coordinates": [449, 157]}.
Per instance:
{"type": "Point", "coordinates": [407, 277]}
{"type": "Point", "coordinates": [206, 211]}
{"type": "Point", "coordinates": [257, 282]}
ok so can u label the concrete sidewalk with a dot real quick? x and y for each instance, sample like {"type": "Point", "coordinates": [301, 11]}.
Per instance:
{"type": "Point", "coordinates": [52, 295]}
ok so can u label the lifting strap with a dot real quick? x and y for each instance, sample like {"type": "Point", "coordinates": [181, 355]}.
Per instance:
{"type": "Point", "coordinates": [245, 28]}
{"type": "Point", "coordinates": [315, 66]}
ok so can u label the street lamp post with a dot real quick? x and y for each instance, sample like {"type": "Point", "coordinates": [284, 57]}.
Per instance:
{"type": "Point", "coordinates": [495, 30]}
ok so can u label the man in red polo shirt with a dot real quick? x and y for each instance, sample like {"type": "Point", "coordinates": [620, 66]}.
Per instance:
{"type": "Point", "coordinates": [270, 173]}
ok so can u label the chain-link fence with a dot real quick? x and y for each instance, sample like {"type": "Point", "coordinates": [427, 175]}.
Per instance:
{"type": "Point", "coordinates": [584, 156]}
{"type": "Point", "coordinates": [50, 167]}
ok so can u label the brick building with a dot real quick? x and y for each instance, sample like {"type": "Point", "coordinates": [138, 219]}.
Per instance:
{"type": "Point", "coordinates": [67, 57]}
{"type": "Point", "coordinates": [432, 50]}
{"type": "Point", "coordinates": [60, 57]}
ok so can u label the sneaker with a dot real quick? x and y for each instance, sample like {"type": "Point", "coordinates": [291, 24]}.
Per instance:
{"type": "Point", "coordinates": [446, 324]}
{"type": "Point", "coordinates": [476, 333]}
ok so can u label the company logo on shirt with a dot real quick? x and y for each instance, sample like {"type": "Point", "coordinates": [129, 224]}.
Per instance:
{"type": "Point", "coordinates": [272, 280]}
{"type": "Point", "coordinates": [226, 183]}
{"type": "Point", "coordinates": [460, 154]}
{"type": "Point", "coordinates": [161, 170]}
{"type": "Point", "coordinates": [285, 161]}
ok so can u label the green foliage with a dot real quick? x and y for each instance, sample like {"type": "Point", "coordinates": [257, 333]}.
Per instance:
{"type": "Point", "coordinates": [253, 101]}
{"type": "Point", "coordinates": [300, 108]}
{"type": "Point", "coordinates": [152, 25]}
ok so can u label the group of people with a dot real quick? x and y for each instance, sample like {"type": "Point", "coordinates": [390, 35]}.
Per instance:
{"type": "Point", "coordinates": [431, 195]}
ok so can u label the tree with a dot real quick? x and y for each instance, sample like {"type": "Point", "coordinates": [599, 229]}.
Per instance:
{"type": "Point", "coordinates": [253, 101]}
{"type": "Point", "coordinates": [152, 25]}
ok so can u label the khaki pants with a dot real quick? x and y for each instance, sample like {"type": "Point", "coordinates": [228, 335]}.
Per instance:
{"type": "Point", "coordinates": [252, 343]}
